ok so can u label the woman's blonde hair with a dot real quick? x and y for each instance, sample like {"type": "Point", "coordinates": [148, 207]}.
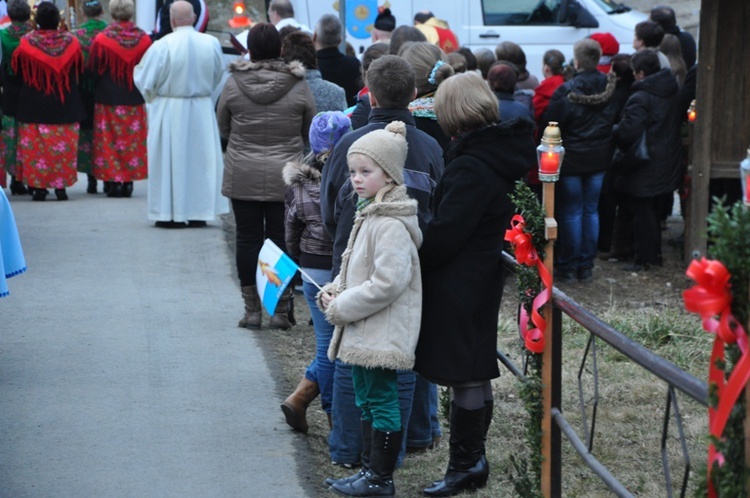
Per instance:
{"type": "Point", "coordinates": [464, 103]}
{"type": "Point", "coordinates": [121, 10]}
{"type": "Point", "coordinates": [424, 58]}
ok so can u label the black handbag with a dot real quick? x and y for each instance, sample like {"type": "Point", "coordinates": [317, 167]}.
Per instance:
{"type": "Point", "coordinates": [632, 157]}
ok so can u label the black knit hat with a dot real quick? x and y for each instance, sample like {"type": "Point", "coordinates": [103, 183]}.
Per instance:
{"type": "Point", "coordinates": [385, 21]}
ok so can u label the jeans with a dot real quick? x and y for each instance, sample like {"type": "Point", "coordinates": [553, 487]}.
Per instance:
{"type": "Point", "coordinates": [577, 213]}
{"type": "Point", "coordinates": [256, 221]}
{"type": "Point", "coordinates": [345, 440]}
{"type": "Point", "coordinates": [424, 425]}
{"type": "Point", "coordinates": [321, 368]}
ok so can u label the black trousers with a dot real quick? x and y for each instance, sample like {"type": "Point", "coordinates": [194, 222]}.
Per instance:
{"type": "Point", "coordinates": [646, 221]}
{"type": "Point", "coordinates": [256, 221]}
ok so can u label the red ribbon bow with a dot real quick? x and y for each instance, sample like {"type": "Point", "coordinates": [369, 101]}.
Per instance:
{"type": "Point", "coordinates": [526, 255]}
{"type": "Point", "coordinates": [711, 298]}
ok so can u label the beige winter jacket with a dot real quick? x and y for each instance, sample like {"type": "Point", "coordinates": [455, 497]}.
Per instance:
{"type": "Point", "coordinates": [378, 294]}
{"type": "Point", "coordinates": [265, 111]}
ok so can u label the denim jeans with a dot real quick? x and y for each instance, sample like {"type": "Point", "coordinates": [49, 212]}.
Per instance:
{"type": "Point", "coordinates": [345, 440]}
{"type": "Point", "coordinates": [424, 425]}
{"type": "Point", "coordinates": [577, 213]}
{"type": "Point", "coordinates": [321, 368]}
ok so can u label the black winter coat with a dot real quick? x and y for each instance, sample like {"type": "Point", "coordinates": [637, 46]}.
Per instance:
{"type": "Point", "coordinates": [653, 107]}
{"type": "Point", "coordinates": [581, 107]}
{"type": "Point", "coordinates": [462, 277]}
{"type": "Point", "coordinates": [344, 70]}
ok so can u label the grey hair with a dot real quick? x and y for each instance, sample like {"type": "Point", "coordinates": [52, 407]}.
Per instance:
{"type": "Point", "coordinates": [19, 10]}
{"type": "Point", "coordinates": [121, 10]}
{"type": "Point", "coordinates": [329, 31]}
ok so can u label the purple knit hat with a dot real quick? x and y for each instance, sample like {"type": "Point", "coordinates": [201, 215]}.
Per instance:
{"type": "Point", "coordinates": [326, 130]}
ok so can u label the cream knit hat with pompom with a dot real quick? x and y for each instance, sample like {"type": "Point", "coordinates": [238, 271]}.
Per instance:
{"type": "Point", "coordinates": [386, 147]}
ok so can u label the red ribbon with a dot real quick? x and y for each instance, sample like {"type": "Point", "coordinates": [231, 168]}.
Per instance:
{"type": "Point", "coordinates": [712, 298]}
{"type": "Point", "coordinates": [526, 255]}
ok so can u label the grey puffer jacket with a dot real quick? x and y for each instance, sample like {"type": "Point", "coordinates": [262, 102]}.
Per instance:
{"type": "Point", "coordinates": [378, 294]}
{"type": "Point", "coordinates": [265, 111]}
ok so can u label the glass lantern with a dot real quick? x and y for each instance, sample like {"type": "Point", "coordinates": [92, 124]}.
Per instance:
{"type": "Point", "coordinates": [691, 114]}
{"type": "Point", "coordinates": [550, 153]}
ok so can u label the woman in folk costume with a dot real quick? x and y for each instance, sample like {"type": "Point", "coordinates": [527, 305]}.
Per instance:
{"type": "Point", "coordinates": [19, 13]}
{"type": "Point", "coordinates": [92, 11]}
{"type": "Point", "coordinates": [120, 122]}
{"type": "Point", "coordinates": [50, 106]}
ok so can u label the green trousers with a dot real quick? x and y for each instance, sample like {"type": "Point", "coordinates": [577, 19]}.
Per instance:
{"type": "Point", "coordinates": [376, 394]}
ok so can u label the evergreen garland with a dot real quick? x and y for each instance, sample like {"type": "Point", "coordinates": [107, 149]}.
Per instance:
{"type": "Point", "coordinates": [526, 474]}
{"type": "Point", "coordinates": [728, 236]}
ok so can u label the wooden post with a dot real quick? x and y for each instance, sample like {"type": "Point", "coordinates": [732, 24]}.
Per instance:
{"type": "Point", "coordinates": [550, 476]}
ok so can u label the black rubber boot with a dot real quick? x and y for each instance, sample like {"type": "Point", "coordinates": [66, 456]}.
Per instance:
{"type": "Point", "coordinates": [378, 481]}
{"type": "Point", "coordinates": [467, 465]}
{"type": "Point", "coordinates": [366, 449]}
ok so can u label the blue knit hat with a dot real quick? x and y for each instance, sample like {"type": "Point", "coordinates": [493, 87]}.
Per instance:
{"type": "Point", "coordinates": [326, 130]}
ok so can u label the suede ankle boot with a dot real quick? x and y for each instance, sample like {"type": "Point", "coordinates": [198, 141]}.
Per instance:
{"type": "Point", "coordinates": [295, 406]}
{"type": "Point", "coordinates": [467, 465]}
{"type": "Point", "coordinates": [281, 318]}
{"type": "Point", "coordinates": [378, 480]}
{"type": "Point", "coordinates": [252, 317]}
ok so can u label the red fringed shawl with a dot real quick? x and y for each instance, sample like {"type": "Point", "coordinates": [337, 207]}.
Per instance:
{"type": "Point", "coordinates": [45, 58]}
{"type": "Point", "coordinates": [118, 49]}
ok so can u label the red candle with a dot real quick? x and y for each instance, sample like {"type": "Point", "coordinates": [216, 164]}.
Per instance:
{"type": "Point", "coordinates": [691, 116]}
{"type": "Point", "coordinates": [549, 163]}
{"type": "Point", "coordinates": [747, 190]}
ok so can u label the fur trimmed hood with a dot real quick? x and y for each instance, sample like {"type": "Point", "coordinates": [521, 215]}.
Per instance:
{"type": "Point", "coordinates": [297, 173]}
{"type": "Point", "coordinates": [265, 82]}
{"type": "Point", "coordinates": [596, 98]}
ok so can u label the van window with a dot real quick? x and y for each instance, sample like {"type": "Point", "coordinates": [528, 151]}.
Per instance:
{"type": "Point", "coordinates": [520, 12]}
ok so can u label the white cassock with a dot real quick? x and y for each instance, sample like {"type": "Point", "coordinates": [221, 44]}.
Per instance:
{"type": "Point", "coordinates": [176, 77]}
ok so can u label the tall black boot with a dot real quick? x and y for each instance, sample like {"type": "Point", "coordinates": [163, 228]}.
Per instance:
{"type": "Point", "coordinates": [489, 408]}
{"type": "Point", "coordinates": [378, 481]}
{"type": "Point", "coordinates": [366, 450]}
{"type": "Point", "coordinates": [17, 187]}
{"type": "Point", "coordinates": [467, 465]}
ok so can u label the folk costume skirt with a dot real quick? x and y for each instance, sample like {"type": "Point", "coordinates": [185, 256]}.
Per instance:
{"type": "Point", "coordinates": [120, 142]}
{"type": "Point", "coordinates": [47, 154]}
{"type": "Point", "coordinates": [85, 149]}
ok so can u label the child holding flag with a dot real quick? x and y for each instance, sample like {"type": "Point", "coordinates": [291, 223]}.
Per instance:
{"type": "Point", "coordinates": [375, 302]}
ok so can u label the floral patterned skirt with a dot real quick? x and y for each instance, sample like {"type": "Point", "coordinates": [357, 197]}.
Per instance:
{"type": "Point", "coordinates": [120, 143]}
{"type": "Point", "coordinates": [85, 146]}
{"type": "Point", "coordinates": [8, 146]}
{"type": "Point", "coordinates": [47, 154]}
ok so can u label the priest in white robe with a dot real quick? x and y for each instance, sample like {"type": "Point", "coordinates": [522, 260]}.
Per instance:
{"type": "Point", "coordinates": [177, 77]}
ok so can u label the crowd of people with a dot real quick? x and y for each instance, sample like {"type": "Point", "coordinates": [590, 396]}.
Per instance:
{"type": "Point", "coordinates": [387, 179]}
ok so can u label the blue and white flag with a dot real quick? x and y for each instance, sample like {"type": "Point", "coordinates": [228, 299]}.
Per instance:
{"type": "Point", "coordinates": [274, 273]}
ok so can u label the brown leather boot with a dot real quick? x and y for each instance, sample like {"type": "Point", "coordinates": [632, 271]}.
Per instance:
{"type": "Point", "coordinates": [295, 406]}
{"type": "Point", "coordinates": [252, 317]}
{"type": "Point", "coordinates": [282, 318]}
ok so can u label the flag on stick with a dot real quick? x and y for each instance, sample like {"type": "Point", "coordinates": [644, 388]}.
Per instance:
{"type": "Point", "coordinates": [274, 273]}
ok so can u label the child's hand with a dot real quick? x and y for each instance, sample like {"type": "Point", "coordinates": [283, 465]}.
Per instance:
{"type": "Point", "coordinates": [326, 300]}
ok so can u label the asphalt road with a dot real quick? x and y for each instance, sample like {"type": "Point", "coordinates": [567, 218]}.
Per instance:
{"type": "Point", "coordinates": [122, 371]}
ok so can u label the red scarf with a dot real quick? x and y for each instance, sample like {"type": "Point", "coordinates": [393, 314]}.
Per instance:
{"type": "Point", "coordinates": [118, 49]}
{"type": "Point", "coordinates": [45, 58]}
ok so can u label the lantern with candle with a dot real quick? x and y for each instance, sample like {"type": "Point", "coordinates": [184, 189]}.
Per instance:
{"type": "Point", "coordinates": [691, 114]}
{"type": "Point", "coordinates": [240, 19]}
{"type": "Point", "coordinates": [550, 153]}
{"type": "Point", "coordinates": [745, 178]}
